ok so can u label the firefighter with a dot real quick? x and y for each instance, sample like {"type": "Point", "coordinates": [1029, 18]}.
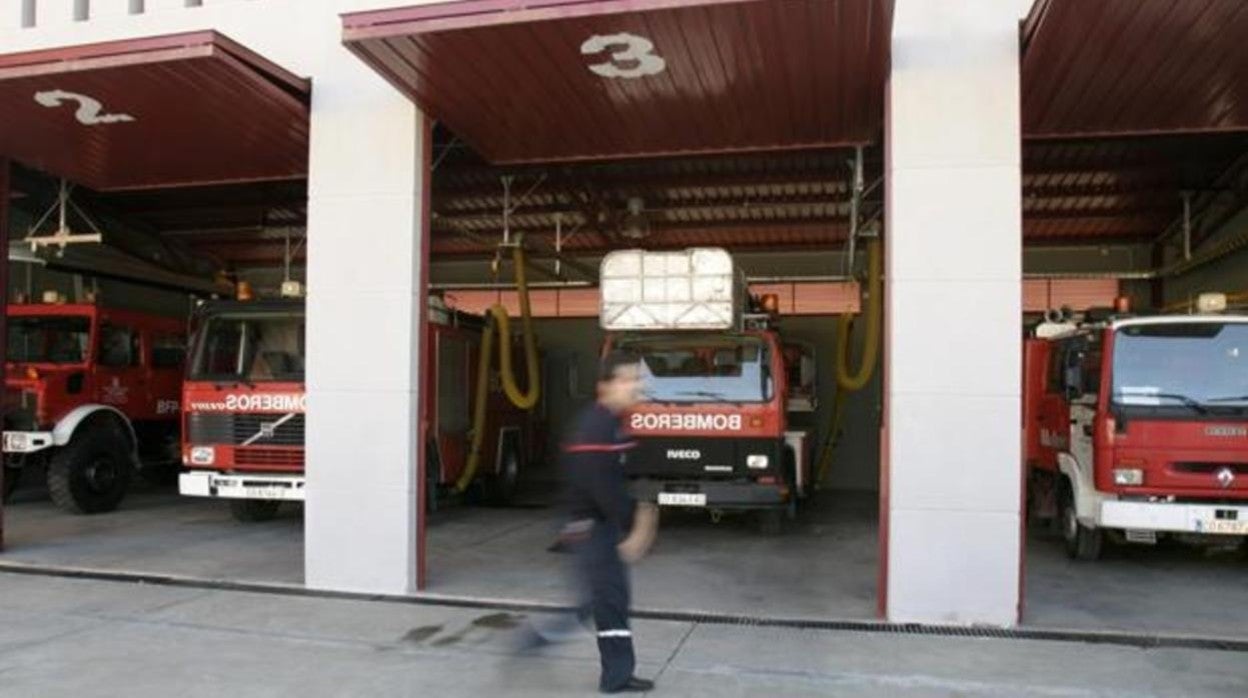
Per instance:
{"type": "Point", "coordinates": [605, 528]}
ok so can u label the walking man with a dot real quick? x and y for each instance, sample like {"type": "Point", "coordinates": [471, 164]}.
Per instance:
{"type": "Point", "coordinates": [599, 502]}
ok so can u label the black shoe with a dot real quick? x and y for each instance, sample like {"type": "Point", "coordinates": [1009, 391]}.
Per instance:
{"type": "Point", "coordinates": [633, 685]}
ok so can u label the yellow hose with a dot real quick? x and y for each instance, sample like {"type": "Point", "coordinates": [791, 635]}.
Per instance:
{"type": "Point", "coordinates": [501, 325]}
{"type": "Point", "coordinates": [830, 442]}
{"type": "Point", "coordinates": [871, 346]}
{"type": "Point", "coordinates": [845, 381]}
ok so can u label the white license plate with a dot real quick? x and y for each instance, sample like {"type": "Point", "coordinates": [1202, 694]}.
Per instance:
{"type": "Point", "coordinates": [682, 499]}
{"type": "Point", "coordinates": [1227, 527]}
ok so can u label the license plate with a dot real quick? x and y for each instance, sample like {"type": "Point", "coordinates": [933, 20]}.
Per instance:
{"type": "Point", "coordinates": [1227, 527]}
{"type": "Point", "coordinates": [682, 499]}
{"type": "Point", "coordinates": [264, 492]}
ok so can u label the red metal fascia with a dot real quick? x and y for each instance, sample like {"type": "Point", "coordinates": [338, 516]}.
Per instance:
{"type": "Point", "coordinates": [380, 24]}
{"type": "Point", "coordinates": [152, 49]}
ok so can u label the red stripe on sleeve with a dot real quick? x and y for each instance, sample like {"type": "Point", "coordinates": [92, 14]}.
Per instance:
{"type": "Point", "coordinates": [599, 448]}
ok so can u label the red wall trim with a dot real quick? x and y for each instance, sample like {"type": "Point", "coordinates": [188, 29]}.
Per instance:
{"type": "Point", "coordinates": [4, 301]}
{"type": "Point", "coordinates": [422, 308]}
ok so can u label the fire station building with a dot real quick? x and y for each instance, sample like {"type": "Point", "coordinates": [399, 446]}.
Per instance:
{"type": "Point", "coordinates": [1010, 156]}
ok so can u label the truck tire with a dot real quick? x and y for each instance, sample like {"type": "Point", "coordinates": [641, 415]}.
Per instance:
{"type": "Point", "coordinates": [1082, 543]}
{"type": "Point", "coordinates": [790, 476]}
{"type": "Point", "coordinates": [12, 476]}
{"type": "Point", "coordinates": [500, 488]}
{"type": "Point", "coordinates": [254, 510]}
{"type": "Point", "coordinates": [91, 473]}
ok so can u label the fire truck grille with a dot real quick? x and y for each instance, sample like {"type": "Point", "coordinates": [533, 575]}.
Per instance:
{"type": "Point", "coordinates": [245, 429]}
{"type": "Point", "coordinates": [268, 457]}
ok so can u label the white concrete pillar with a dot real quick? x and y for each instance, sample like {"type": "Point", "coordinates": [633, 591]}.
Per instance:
{"type": "Point", "coordinates": [952, 151]}
{"type": "Point", "coordinates": [366, 226]}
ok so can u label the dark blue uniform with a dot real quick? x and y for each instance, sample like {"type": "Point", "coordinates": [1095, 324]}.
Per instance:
{"type": "Point", "coordinates": [597, 492]}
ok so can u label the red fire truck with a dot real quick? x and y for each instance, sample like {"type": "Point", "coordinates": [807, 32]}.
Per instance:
{"type": "Point", "coordinates": [1137, 428]}
{"type": "Point", "coordinates": [91, 394]}
{"type": "Point", "coordinates": [713, 431]}
{"type": "Point", "coordinates": [245, 405]}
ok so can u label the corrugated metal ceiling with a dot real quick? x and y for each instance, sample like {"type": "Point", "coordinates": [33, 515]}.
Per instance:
{"type": "Point", "coordinates": [1074, 192]}
{"type": "Point", "coordinates": [1089, 68]}
{"type": "Point", "coordinates": [561, 80]}
{"type": "Point", "coordinates": [159, 112]}
{"type": "Point", "coordinates": [1123, 67]}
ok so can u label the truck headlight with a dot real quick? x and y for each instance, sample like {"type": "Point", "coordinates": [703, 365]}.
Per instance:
{"type": "Point", "coordinates": [16, 441]}
{"type": "Point", "coordinates": [757, 461]}
{"type": "Point", "coordinates": [203, 455]}
{"type": "Point", "coordinates": [1128, 476]}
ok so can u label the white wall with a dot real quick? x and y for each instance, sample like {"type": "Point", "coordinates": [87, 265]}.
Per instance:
{"type": "Point", "coordinates": [953, 400]}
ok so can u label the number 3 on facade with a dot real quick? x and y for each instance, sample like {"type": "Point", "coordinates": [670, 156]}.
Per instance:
{"type": "Point", "coordinates": [631, 56]}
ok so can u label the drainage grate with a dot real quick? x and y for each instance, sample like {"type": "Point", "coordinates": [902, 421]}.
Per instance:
{"type": "Point", "coordinates": [1124, 639]}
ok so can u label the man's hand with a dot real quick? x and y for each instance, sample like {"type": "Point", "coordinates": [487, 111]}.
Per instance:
{"type": "Point", "coordinates": [639, 540]}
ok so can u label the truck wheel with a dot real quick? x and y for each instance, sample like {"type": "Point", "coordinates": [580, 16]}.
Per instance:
{"type": "Point", "coordinates": [1082, 543]}
{"type": "Point", "coordinates": [254, 510]}
{"type": "Point", "coordinates": [12, 476]}
{"type": "Point", "coordinates": [790, 475]}
{"type": "Point", "coordinates": [91, 473]}
{"type": "Point", "coordinates": [500, 488]}
{"type": "Point", "coordinates": [771, 522]}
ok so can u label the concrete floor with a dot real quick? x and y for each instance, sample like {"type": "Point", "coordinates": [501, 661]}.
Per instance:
{"type": "Point", "coordinates": [1169, 588]}
{"type": "Point", "coordinates": [158, 532]}
{"type": "Point", "coordinates": [823, 567]}
{"type": "Point", "coordinates": [81, 639]}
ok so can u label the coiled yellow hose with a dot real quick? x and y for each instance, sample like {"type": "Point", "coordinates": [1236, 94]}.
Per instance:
{"type": "Point", "coordinates": [871, 344]}
{"type": "Point", "coordinates": [847, 382]}
{"type": "Point", "coordinates": [526, 400]}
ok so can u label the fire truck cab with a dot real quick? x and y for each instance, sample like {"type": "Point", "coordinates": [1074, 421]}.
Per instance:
{"type": "Point", "coordinates": [1137, 428]}
{"type": "Point", "coordinates": [713, 429]}
{"type": "Point", "coordinates": [91, 393]}
{"type": "Point", "coordinates": [245, 405]}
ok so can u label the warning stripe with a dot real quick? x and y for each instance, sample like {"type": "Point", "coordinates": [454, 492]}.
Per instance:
{"type": "Point", "coordinates": [615, 633]}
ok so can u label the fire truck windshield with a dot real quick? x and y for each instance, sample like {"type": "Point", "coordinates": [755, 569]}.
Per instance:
{"type": "Point", "coordinates": [251, 348]}
{"type": "Point", "coordinates": [1181, 365]}
{"type": "Point", "coordinates": [52, 339]}
{"type": "Point", "coordinates": [704, 368]}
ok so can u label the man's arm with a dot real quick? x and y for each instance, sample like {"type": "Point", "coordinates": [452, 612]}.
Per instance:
{"type": "Point", "coordinates": [610, 492]}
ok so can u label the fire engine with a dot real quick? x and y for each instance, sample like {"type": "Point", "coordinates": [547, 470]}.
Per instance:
{"type": "Point", "coordinates": [91, 394]}
{"type": "Point", "coordinates": [245, 404]}
{"type": "Point", "coordinates": [713, 430]}
{"type": "Point", "coordinates": [1136, 427]}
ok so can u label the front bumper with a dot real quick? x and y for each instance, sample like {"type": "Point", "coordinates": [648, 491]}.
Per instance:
{"type": "Point", "coordinates": [286, 488]}
{"type": "Point", "coordinates": [1174, 517]}
{"type": "Point", "coordinates": [27, 441]}
{"type": "Point", "coordinates": [718, 495]}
